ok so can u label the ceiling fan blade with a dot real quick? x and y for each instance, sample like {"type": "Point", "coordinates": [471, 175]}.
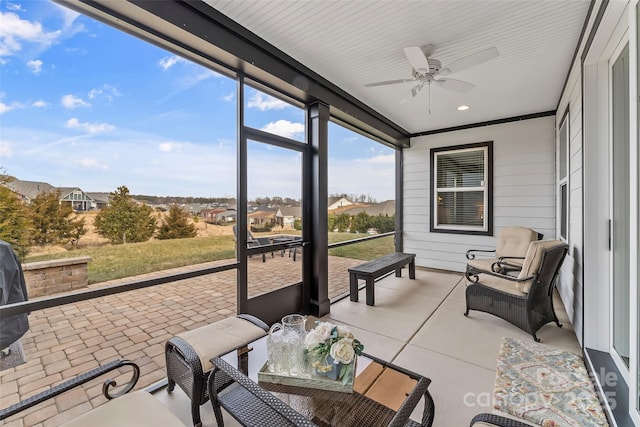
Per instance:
{"type": "Point", "coordinates": [411, 94]}
{"type": "Point", "coordinates": [455, 85]}
{"type": "Point", "coordinates": [471, 61]}
{"type": "Point", "coordinates": [416, 58]}
{"type": "Point", "coordinates": [389, 82]}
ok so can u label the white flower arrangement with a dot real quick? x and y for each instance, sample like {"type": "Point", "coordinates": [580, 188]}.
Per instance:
{"type": "Point", "coordinates": [337, 341]}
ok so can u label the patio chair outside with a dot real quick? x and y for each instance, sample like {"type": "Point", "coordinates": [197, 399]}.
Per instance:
{"type": "Point", "coordinates": [509, 253]}
{"type": "Point", "coordinates": [525, 301]}
{"type": "Point", "coordinates": [253, 242]}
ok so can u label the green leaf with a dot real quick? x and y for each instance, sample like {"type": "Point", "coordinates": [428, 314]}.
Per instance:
{"type": "Point", "coordinates": [345, 373]}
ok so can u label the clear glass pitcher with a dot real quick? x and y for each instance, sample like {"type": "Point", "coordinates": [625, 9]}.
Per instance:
{"type": "Point", "coordinates": [286, 349]}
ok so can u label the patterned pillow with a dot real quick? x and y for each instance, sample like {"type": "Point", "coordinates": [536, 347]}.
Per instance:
{"type": "Point", "coordinates": [546, 386]}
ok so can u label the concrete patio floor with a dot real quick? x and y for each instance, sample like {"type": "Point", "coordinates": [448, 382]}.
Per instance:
{"type": "Point", "coordinates": [417, 324]}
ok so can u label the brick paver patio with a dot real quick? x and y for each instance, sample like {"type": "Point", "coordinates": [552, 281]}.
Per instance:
{"type": "Point", "coordinates": [65, 341]}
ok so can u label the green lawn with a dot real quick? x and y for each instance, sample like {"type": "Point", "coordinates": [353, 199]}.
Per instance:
{"type": "Point", "coordinates": [118, 261]}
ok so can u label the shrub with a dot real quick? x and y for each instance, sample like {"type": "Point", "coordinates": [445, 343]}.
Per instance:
{"type": "Point", "coordinates": [176, 225]}
{"type": "Point", "coordinates": [124, 220]}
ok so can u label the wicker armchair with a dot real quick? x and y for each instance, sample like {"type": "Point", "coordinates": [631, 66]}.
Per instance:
{"type": "Point", "coordinates": [508, 255]}
{"type": "Point", "coordinates": [487, 419]}
{"type": "Point", "coordinates": [526, 301]}
{"type": "Point", "coordinates": [124, 407]}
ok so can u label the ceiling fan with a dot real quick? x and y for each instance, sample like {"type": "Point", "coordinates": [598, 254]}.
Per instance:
{"type": "Point", "coordinates": [427, 70]}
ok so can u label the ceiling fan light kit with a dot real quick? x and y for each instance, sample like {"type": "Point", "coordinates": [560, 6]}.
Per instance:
{"type": "Point", "coordinates": [427, 70]}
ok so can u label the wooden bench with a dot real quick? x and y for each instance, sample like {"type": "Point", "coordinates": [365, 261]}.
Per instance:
{"type": "Point", "coordinates": [371, 270]}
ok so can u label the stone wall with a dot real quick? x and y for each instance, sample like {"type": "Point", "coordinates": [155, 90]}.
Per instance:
{"type": "Point", "coordinates": [54, 276]}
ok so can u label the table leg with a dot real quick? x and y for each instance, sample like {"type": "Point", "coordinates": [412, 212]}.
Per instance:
{"type": "Point", "coordinates": [353, 286]}
{"type": "Point", "coordinates": [370, 296]}
{"type": "Point", "coordinates": [412, 269]}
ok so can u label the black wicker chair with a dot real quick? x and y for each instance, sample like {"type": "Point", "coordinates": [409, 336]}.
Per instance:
{"type": "Point", "coordinates": [525, 301]}
{"type": "Point", "coordinates": [496, 420]}
{"type": "Point", "coordinates": [137, 408]}
{"type": "Point", "coordinates": [511, 248]}
{"type": "Point", "coordinates": [185, 366]}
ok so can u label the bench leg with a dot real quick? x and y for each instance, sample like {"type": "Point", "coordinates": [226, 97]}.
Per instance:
{"type": "Point", "coordinates": [370, 296]}
{"type": "Point", "coordinates": [412, 269]}
{"type": "Point", "coordinates": [399, 272]}
{"type": "Point", "coordinates": [353, 287]}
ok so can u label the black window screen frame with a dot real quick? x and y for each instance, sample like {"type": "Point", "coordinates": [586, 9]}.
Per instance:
{"type": "Point", "coordinates": [488, 189]}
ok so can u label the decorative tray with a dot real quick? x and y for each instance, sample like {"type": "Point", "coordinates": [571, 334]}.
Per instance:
{"type": "Point", "coordinates": [310, 381]}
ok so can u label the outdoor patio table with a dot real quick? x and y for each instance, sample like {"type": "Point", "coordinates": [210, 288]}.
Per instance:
{"type": "Point", "coordinates": [362, 407]}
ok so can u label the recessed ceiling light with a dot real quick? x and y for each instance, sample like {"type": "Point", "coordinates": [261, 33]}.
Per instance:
{"type": "Point", "coordinates": [463, 108]}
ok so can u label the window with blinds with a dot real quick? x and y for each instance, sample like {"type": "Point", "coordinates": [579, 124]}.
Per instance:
{"type": "Point", "coordinates": [563, 178]}
{"type": "Point", "coordinates": [460, 189]}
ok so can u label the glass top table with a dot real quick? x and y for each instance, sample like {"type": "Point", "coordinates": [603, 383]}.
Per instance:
{"type": "Point", "coordinates": [383, 394]}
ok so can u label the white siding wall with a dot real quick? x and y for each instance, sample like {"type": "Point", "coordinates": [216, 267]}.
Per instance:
{"type": "Point", "coordinates": [523, 182]}
{"type": "Point", "coordinates": [570, 284]}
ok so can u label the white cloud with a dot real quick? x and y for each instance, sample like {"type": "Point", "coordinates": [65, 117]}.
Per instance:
{"type": "Point", "coordinates": [107, 91]}
{"type": "Point", "coordinates": [40, 104]}
{"type": "Point", "coordinates": [35, 66]}
{"type": "Point", "coordinates": [14, 31]}
{"type": "Point", "coordinates": [168, 147]}
{"type": "Point", "coordinates": [5, 108]}
{"type": "Point", "coordinates": [5, 149]}
{"type": "Point", "coordinates": [284, 128]}
{"type": "Point", "coordinates": [74, 123]}
{"type": "Point", "coordinates": [15, 7]}
{"type": "Point", "coordinates": [170, 61]}
{"type": "Point", "coordinates": [89, 163]}
{"type": "Point", "coordinates": [265, 102]}
{"type": "Point", "coordinates": [71, 102]}
{"type": "Point", "coordinates": [230, 97]}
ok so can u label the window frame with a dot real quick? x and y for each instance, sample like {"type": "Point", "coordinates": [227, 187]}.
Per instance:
{"type": "Point", "coordinates": [487, 227]}
{"type": "Point", "coordinates": [563, 181]}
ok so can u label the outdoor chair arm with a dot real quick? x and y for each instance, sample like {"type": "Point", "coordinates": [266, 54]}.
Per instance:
{"type": "Point", "coordinates": [497, 420]}
{"type": "Point", "coordinates": [269, 407]}
{"type": "Point", "coordinates": [54, 391]}
{"type": "Point", "coordinates": [503, 264]}
{"type": "Point", "coordinates": [473, 276]}
{"type": "Point", "coordinates": [471, 252]}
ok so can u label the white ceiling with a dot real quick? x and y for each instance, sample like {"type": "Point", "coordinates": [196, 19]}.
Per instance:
{"type": "Point", "coordinates": [351, 43]}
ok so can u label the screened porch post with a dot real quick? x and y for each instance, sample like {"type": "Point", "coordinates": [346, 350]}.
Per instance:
{"type": "Point", "coordinates": [316, 267]}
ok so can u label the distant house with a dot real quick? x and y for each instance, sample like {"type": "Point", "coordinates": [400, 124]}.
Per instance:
{"type": "Point", "coordinates": [286, 216]}
{"type": "Point", "coordinates": [74, 196]}
{"type": "Point", "coordinates": [263, 217]}
{"type": "Point", "coordinates": [338, 202]}
{"type": "Point", "coordinates": [100, 200]}
{"type": "Point", "coordinates": [228, 215]}
{"type": "Point", "coordinates": [211, 215]}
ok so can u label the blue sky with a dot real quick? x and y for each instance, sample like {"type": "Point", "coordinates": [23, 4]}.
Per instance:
{"type": "Point", "coordinates": [83, 104]}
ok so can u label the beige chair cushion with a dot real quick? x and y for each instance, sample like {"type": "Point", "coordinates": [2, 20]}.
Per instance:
{"type": "Point", "coordinates": [221, 337]}
{"type": "Point", "coordinates": [514, 241]}
{"type": "Point", "coordinates": [533, 259]}
{"type": "Point", "coordinates": [137, 408]}
{"type": "Point", "coordinates": [504, 285]}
